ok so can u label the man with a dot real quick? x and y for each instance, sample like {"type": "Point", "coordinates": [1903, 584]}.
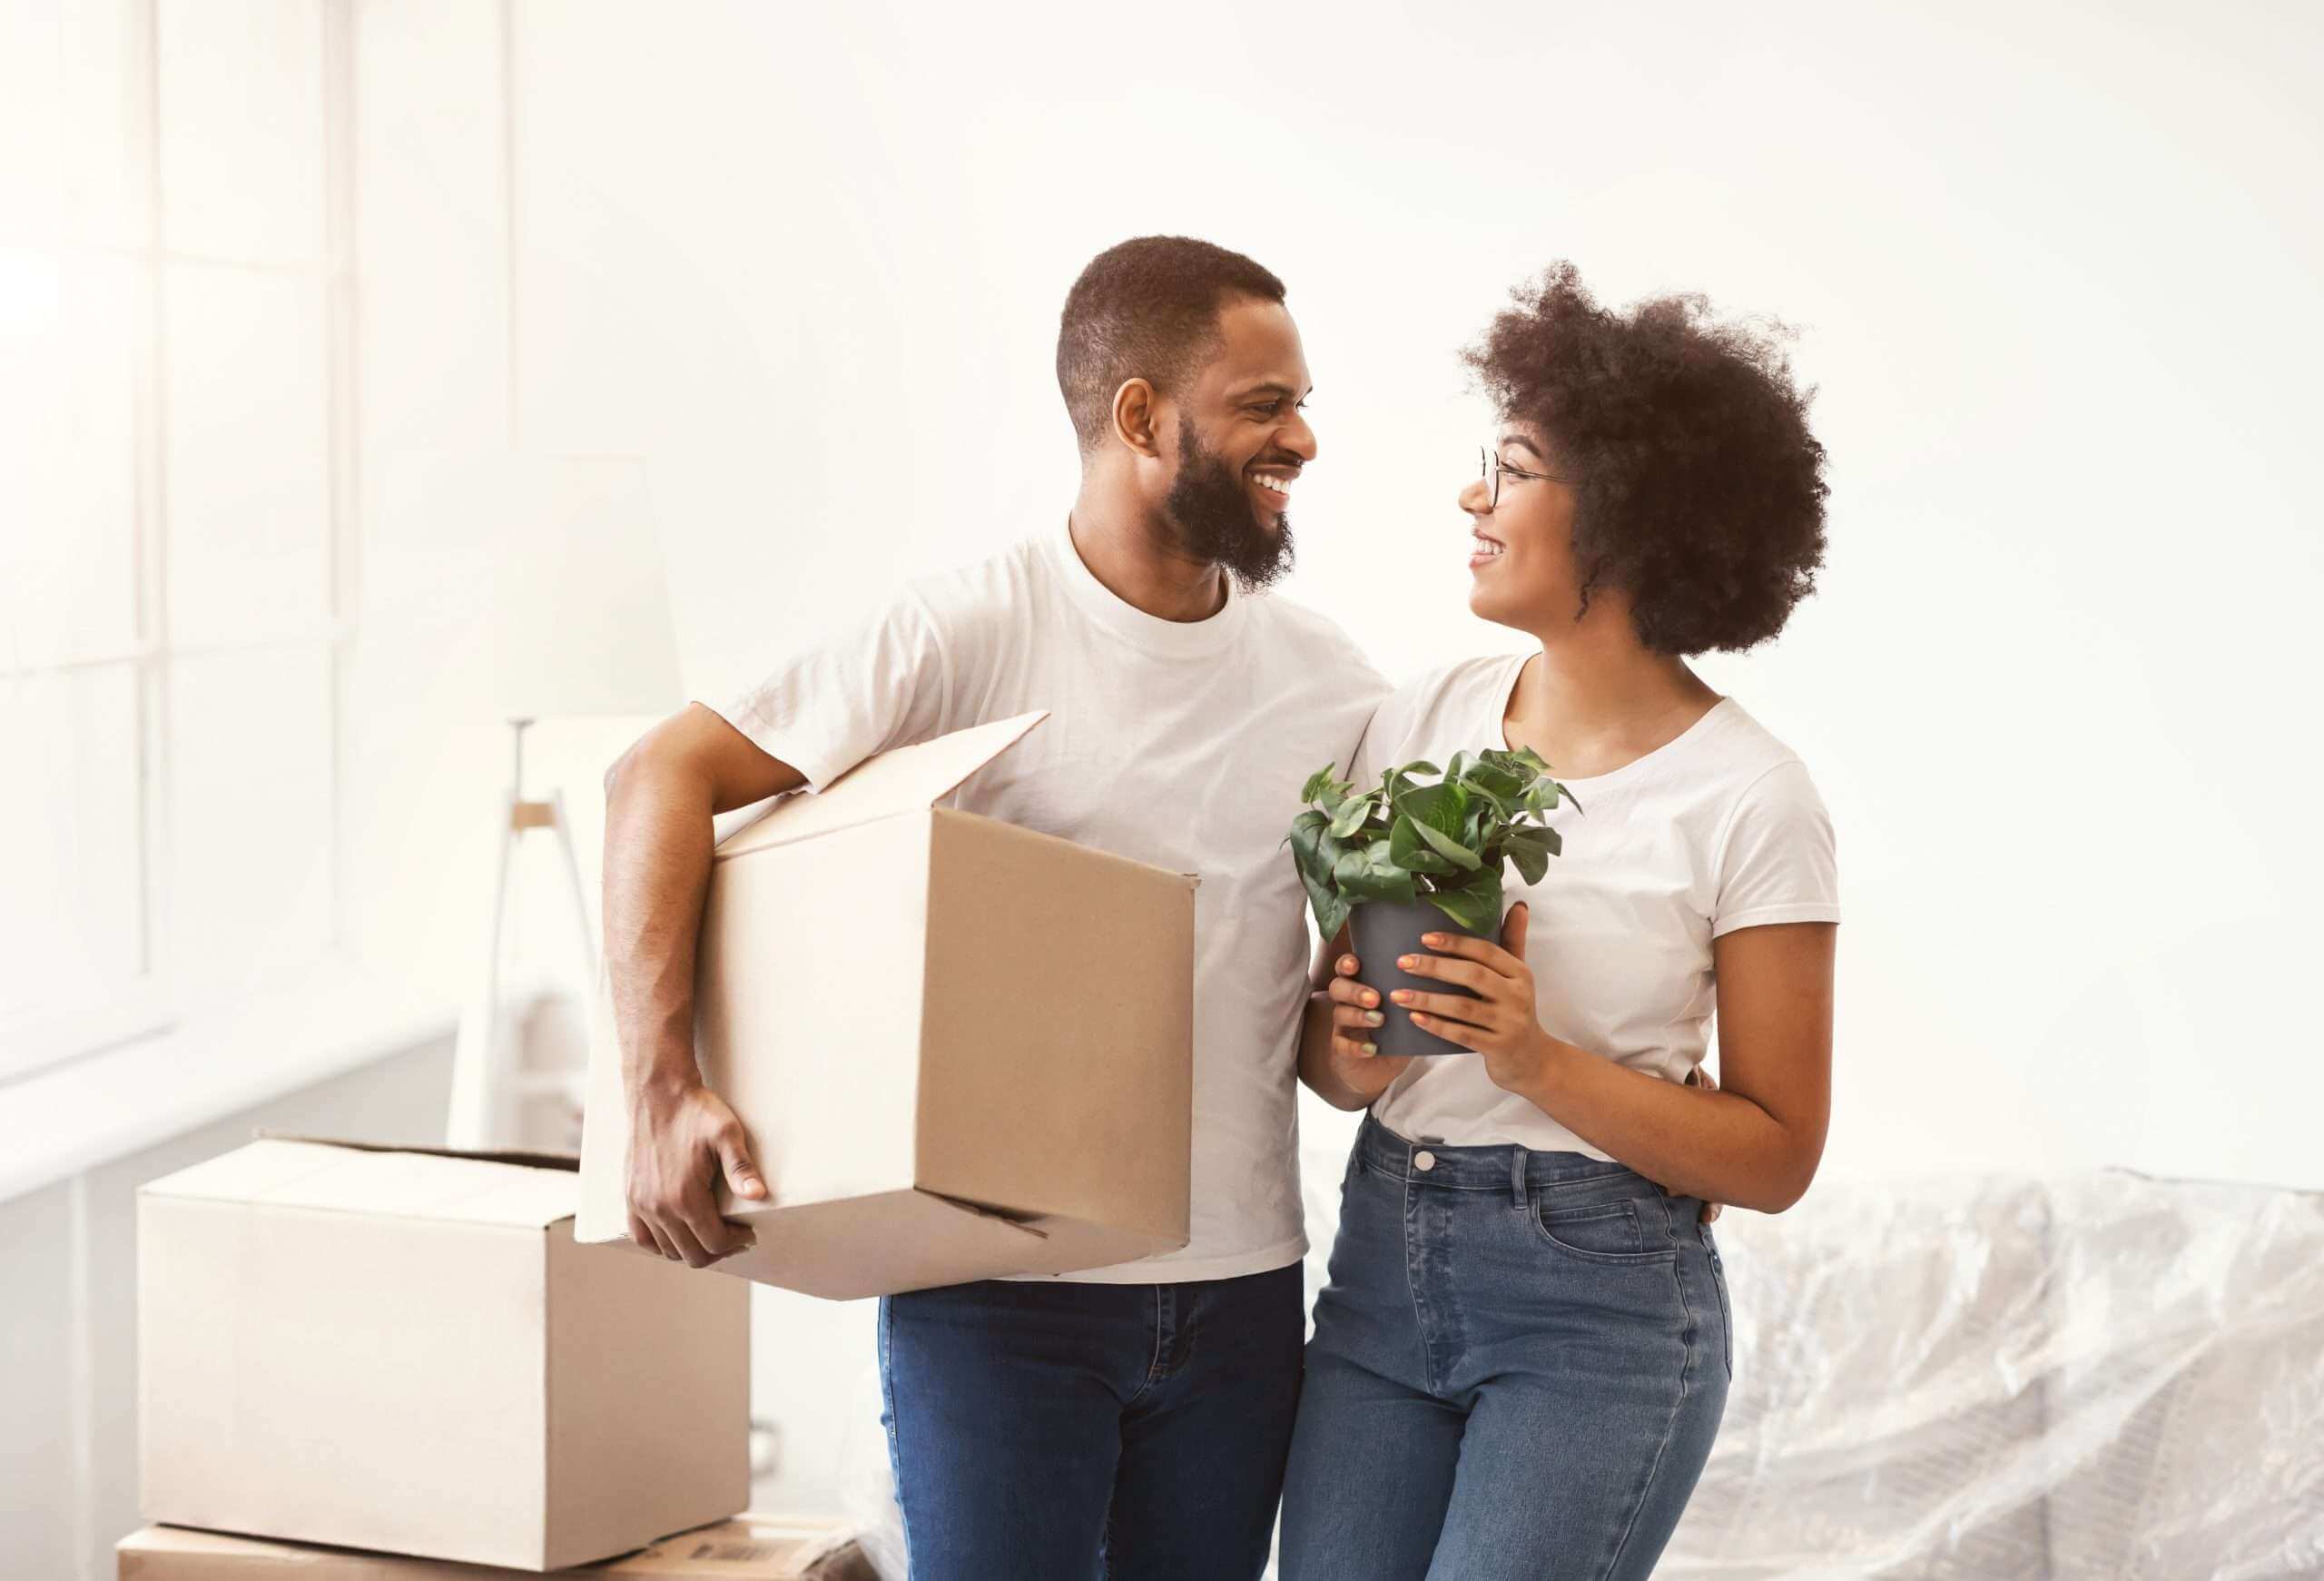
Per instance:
{"type": "Point", "coordinates": [1138, 1416]}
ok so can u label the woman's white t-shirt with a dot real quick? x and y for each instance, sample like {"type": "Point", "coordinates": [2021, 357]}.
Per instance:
{"type": "Point", "coordinates": [1180, 743]}
{"type": "Point", "coordinates": [1715, 830]}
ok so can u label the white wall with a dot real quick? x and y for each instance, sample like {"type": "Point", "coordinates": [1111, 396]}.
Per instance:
{"type": "Point", "coordinates": [2054, 270]}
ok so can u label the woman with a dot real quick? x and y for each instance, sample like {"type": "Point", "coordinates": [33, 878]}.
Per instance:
{"type": "Point", "coordinates": [1524, 1349]}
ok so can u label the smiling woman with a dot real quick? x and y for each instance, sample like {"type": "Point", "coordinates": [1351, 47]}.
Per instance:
{"type": "Point", "coordinates": [1653, 492]}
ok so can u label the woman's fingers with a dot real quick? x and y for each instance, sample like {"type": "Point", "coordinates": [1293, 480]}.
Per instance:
{"type": "Point", "coordinates": [1467, 973]}
{"type": "Point", "coordinates": [1484, 951]}
{"type": "Point", "coordinates": [1348, 991]}
{"type": "Point", "coordinates": [1458, 1032]}
{"type": "Point", "coordinates": [1446, 1006]}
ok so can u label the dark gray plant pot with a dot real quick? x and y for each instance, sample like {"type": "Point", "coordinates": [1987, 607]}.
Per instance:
{"type": "Point", "coordinates": [1382, 931]}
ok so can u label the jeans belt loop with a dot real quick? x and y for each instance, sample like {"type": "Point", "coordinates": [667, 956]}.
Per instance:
{"type": "Point", "coordinates": [1516, 1177]}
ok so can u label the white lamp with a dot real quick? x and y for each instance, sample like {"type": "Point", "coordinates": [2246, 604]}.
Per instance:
{"type": "Point", "coordinates": [580, 620]}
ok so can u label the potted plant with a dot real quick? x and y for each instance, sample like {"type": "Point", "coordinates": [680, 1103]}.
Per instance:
{"type": "Point", "coordinates": [1405, 858]}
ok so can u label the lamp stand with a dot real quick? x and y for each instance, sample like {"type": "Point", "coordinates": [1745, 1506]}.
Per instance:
{"type": "Point", "coordinates": [486, 1081]}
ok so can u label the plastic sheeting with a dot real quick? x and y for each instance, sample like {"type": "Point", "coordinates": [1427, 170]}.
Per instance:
{"type": "Point", "coordinates": [1987, 1378]}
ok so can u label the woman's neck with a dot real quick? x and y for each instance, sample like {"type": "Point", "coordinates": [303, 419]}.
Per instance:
{"type": "Point", "coordinates": [1590, 708]}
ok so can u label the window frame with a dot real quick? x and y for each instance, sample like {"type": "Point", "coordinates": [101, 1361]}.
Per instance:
{"type": "Point", "coordinates": [44, 1033]}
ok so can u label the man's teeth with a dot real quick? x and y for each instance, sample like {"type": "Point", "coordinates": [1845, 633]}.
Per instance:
{"type": "Point", "coordinates": [1281, 486]}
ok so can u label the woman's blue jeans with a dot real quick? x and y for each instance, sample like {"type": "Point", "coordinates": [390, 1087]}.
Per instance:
{"type": "Point", "coordinates": [1518, 1368]}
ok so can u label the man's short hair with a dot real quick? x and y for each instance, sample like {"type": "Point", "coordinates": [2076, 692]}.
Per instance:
{"type": "Point", "coordinates": [1146, 309]}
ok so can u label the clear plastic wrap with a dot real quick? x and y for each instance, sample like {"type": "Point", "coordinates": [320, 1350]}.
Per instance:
{"type": "Point", "coordinates": [1987, 1378]}
{"type": "Point", "coordinates": [2100, 1374]}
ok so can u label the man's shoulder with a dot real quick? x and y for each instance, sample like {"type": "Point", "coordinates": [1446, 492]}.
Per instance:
{"type": "Point", "coordinates": [970, 595]}
{"type": "Point", "coordinates": [1316, 636]}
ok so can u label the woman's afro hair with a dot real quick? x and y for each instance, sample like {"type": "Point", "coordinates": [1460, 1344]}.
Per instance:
{"type": "Point", "coordinates": [1700, 489]}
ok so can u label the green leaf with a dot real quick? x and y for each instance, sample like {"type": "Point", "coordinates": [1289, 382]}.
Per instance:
{"type": "Point", "coordinates": [1363, 877]}
{"type": "Point", "coordinates": [1451, 849]}
{"type": "Point", "coordinates": [1496, 777]}
{"type": "Point", "coordinates": [1408, 850]}
{"type": "Point", "coordinates": [1314, 848]}
{"type": "Point", "coordinates": [1439, 807]}
{"type": "Point", "coordinates": [1475, 905]}
{"type": "Point", "coordinates": [1457, 768]}
{"type": "Point", "coordinates": [1307, 831]}
{"type": "Point", "coordinates": [1309, 836]}
{"type": "Point", "coordinates": [1351, 815]}
{"type": "Point", "coordinates": [1316, 781]}
{"type": "Point", "coordinates": [1531, 850]}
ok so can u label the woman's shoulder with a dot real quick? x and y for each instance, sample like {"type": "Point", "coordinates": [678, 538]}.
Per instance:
{"type": "Point", "coordinates": [1452, 693]}
{"type": "Point", "coordinates": [1461, 684]}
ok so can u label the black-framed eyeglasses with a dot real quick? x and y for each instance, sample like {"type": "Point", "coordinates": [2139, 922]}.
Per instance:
{"type": "Point", "coordinates": [1491, 468]}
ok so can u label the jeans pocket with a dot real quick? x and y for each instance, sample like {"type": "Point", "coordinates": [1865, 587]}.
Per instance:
{"type": "Point", "coordinates": [1602, 1232]}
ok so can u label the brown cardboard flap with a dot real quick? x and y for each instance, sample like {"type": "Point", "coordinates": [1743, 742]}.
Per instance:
{"type": "Point", "coordinates": [389, 1182]}
{"type": "Point", "coordinates": [906, 780]}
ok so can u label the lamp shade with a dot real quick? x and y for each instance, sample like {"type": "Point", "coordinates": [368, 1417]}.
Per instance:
{"type": "Point", "coordinates": [579, 606]}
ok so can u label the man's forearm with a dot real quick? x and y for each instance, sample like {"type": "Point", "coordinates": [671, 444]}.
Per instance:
{"type": "Point", "coordinates": [656, 874]}
{"type": "Point", "coordinates": [1314, 1056]}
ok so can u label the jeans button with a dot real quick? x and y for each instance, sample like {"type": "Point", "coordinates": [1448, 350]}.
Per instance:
{"type": "Point", "coordinates": [1423, 1160]}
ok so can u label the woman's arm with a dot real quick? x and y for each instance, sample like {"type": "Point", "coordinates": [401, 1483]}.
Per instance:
{"type": "Point", "coordinates": [1756, 1143]}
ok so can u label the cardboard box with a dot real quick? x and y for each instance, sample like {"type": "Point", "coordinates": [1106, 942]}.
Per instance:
{"type": "Point", "coordinates": [961, 1049]}
{"type": "Point", "coordinates": [406, 1349]}
{"type": "Point", "coordinates": [754, 1547]}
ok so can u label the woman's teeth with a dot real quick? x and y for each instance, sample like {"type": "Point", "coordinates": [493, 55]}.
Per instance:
{"type": "Point", "coordinates": [1485, 548]}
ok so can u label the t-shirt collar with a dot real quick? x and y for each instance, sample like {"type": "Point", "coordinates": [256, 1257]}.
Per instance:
{"type": "Point", "coordinates": [1164, 638]}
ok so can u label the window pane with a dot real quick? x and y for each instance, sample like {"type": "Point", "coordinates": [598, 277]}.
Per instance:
{"type": "Point", "coordinates": [69, 331]}
{"type": "Point", "coordinates": [69, 838]}
{"type": "Point", "coordinates": [242, 129]}
{"type": "Point", "coordinates": [70, 152]}
{"type": "Point", "coordinates": [247, 466]}
{"type": "Point", "coordinates": [250, 832]}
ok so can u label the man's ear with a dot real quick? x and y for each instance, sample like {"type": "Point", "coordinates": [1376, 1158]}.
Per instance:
{"type": "Point", "coordinates": [1134, 405]}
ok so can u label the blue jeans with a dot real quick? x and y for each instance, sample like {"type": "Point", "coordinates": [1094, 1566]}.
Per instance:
{"type": "Point", "coordinates": [1518, 1368]}
{"type": "Point", "coordinates": [1049, 1429]}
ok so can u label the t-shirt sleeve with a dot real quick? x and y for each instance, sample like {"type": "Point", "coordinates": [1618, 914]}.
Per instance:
{"type": "Point", "coordinates": [1777, 861]}
{"type": "Point", "coordinates": [1373, 747]}
{"type": "Point", "coordinates": [865, 687]}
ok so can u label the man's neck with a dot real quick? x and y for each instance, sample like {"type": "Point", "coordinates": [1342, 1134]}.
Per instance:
{"type": "Point", "coordinates": [1129, 550]}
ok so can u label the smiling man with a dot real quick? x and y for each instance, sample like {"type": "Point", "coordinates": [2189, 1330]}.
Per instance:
{"type": "Point", "coordinates": [1134, 1418]}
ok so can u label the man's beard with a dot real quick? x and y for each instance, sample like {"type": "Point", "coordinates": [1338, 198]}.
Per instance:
{"type": "Point", "coordinates": [1210, 509]}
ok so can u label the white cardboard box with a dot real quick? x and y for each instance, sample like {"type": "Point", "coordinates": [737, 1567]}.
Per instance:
{"type": "Point", "coordinates": [961, 1049]}
{"type": "Point", "coordinates": [407, 1350]}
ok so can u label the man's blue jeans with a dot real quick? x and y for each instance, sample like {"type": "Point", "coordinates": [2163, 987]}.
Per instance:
{"type": "Point", "coordinates": [1055, 1431]}
{"type": "Point", "coordinates": [1519, 1365]}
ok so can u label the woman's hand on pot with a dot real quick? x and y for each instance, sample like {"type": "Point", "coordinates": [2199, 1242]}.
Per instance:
{"type": "Point", "coordinates": [1356, 1019]}
{"type": "Point", "coordinates": [1500, 1022]}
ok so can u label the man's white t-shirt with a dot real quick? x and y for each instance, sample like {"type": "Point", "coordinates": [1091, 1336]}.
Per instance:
{"type": "Point", "coordinates": [1181, 744]}
{"type": "Point", "coordinates": [1717, 830]}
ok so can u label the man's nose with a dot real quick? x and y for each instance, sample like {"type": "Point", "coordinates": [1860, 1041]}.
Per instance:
{"type": "Point", "coordinates": [1298, 438]}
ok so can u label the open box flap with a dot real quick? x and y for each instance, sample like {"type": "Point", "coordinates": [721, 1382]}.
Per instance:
{"type": "Point", "coordinates": [904, 780]}
{"type": "Point", "coordinates": [403, 1183]}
